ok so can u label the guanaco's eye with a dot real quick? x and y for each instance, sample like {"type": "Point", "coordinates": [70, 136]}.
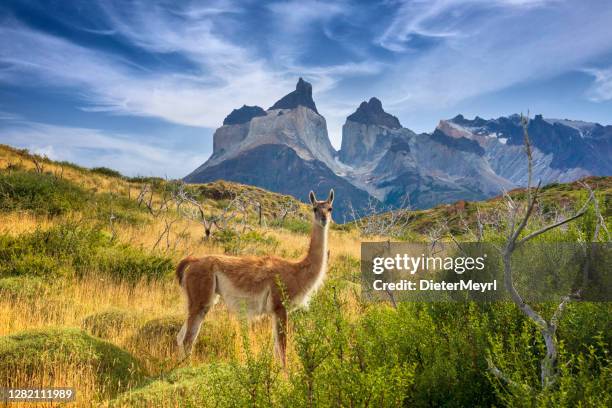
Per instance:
{"type": "Point", "coordinates": [314, 210]}
{"type": "Point", "coordinates": [330, 209]}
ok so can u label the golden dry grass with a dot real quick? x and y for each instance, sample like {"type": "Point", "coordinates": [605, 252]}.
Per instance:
{"type": "Point", "coordinates": [67, 304]}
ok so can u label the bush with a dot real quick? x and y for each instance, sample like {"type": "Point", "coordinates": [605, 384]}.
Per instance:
{"type": "Point", "coordinates": [40, 352]}
{"type": "Point", "coordinates": [71, 249]}
{"type": "Point", "coordinates": [124, 263]}
{"type": "Point", "coordinates": [295, 225]}
{"type": "Point", "coordinates": [204, 386]}
{"type": "Point", "coordinates": [19, 287]}
{"type": "Point", "coordinates": [39, 193]}
{"type": "Point", "coordinates": [252, 242]}
{"type": "Point", "coordinates": [215, 341]}
{"type": "Point", "coordinates": [105, 171]}
{"type": "Point", "coordinates": [109, 323]}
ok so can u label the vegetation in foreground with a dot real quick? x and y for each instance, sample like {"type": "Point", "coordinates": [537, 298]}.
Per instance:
{"type": "Point", "coordinates": [87, 300]}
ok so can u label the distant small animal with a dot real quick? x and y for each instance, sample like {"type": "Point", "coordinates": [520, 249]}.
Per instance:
{"type": "Point", "coordinates": [265, 285]}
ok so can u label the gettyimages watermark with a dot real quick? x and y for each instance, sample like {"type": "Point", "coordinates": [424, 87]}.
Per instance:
{"type": "Point", "coordinates": [401, 271]}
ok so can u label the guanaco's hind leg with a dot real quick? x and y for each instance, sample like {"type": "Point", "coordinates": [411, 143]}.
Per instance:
{"type": "Point", "coordinates": [200, 297]}
{"type": "Point", "coordinates": [190, 330]}
{"type": "Point", "coordinates": [280, 334]}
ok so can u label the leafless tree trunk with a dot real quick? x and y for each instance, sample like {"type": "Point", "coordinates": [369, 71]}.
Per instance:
{"type": "Point", "coordinates": [39, 164]}
{"type": "Point", "coordinates": [548, 329]}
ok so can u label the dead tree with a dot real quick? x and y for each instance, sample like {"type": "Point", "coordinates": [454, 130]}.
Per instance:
{"type": "Point", "coordinates": [146, 197]}
{"type": "Point", "coordinates": [195, 212]}
{"type": "Point", "coordinates": [514, 240]}
{"type": "Point", "coordinates": [376, 219]}
{"type": "Point", "coordinates": [38, 164]}
{"type": "Point", "coordinates": [284, 209]}
{"type": "Point", "coordinates": [220, 220]}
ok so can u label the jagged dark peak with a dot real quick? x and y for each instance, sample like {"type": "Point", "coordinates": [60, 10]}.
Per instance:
{"type": "Point", "coordinates": [243, 115]}
{"type": "Point", "coordinates": [301, 96]}
{"type": "Point", "coordinates": [476, 122]}
{"type": "Point", "coordinates": [459, 143]}
{"type": "Point", "coordinates": [372, 113]}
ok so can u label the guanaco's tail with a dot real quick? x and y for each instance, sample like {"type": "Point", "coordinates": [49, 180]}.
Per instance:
{"type": "Point", "coordinates": [180, 268]}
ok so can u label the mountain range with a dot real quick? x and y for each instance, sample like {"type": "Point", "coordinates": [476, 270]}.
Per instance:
{"type": "Point", "coordinates": [286, 149]}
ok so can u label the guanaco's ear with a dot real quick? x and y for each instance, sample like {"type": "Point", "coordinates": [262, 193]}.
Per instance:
{"type": "Point", "coordinates": [312, 197]}
{"type": "Point", "coordinates": [330, 199]}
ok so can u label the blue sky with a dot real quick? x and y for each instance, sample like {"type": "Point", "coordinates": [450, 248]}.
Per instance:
{"type": "Point", "coordinates": [140, 86]}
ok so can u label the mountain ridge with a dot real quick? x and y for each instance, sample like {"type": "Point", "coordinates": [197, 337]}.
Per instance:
{"type": "Point", "coordinates": [460, 159]}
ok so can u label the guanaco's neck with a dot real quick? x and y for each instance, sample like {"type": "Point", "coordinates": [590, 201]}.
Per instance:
{"type": "Point", "coordinates": [316, 257]}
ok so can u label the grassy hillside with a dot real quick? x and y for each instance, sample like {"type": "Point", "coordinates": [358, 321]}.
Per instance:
{"type": "Point", "coordinates": [87, 299]}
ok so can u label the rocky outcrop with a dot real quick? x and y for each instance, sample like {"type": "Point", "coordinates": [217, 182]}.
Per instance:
{"type": "Point", "coordinates": [243, 115]}
{"type": "Point", "coordinates": [302, 96]}
{"type": "Point", "coordinates": [279, 168]}
{"type": "Point", "coordinates": [367, 133]}
{"type": "Point", "coordinates": [396, 165]}
{"type": "Point", "coordinates": [372, 113]}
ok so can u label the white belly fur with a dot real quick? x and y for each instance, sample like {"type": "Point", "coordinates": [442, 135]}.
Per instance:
{"type": "Point", "coordinates": [241, 302]}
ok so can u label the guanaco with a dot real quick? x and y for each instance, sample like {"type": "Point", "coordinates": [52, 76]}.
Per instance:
{"type": "Point", "coordinates": [265, 285]}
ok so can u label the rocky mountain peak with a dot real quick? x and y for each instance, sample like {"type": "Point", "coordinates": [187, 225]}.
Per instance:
{"type": "Point", "coordinates": [243, 115]}
{"type": "Point", "coordinates": [372, 113]}
{"type": "Point", "coordinates": [301, 96]}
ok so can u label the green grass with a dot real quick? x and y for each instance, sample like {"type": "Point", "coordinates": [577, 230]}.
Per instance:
{"type": "Point", "coordinates": [23, 287]}
{"type": "Point", "coordinates": [105, 171]}
{"type": "Point", "coordinates": [108, 323]}
{"type": "Point", "coordinates": [39, 193]}
{"type": "Point", "coordinates": [73, 250]}
{"type": "Point", "coordinates": [27, 351]}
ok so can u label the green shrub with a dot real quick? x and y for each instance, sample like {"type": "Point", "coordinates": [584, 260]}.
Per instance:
{"type": "Point", "coordinates": [215, 341]}
{"type": "Point", "coordinates": [252, 242]}
{"type": "Point", "coordinates": [124, 263]}
{"type": "Point", "coordinates": [42, 351]}
{"type": "Point", "coordinates": [211, 385]}
{"type": "Point", "coordinates": [110, 322]}
{"type": "Point", "coordinates": [122, 209]}
{"type": "Point", "coordinates": [105, 171]}
{"type": "Point", "coordinates": [583, 377]}
{"type": "Point", "coordinates": [71, 249]}
{"type": "Point", "coordinates": [296, 225]}
{"type": "Point", "coordinates": [63, 250]}
{"type": "Point", "coordinates": [39, 193]}
{"type": "Point", "coordinates": [18, 287]}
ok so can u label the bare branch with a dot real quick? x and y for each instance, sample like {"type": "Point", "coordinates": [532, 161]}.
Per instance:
{"type": "Point", "coordinates": [499, 374]}
{"type": "Point", "coordinates": [579, 214]}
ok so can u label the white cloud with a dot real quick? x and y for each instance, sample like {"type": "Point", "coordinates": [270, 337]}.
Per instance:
{"type": "Point", "coordinates": [299, 15]}
{"type": "Point", "coordinates": [494, 51]}
{"type": "Point", "coordinates": [95, 147]}
{"type": "Point", "coordinates": [601, 89]}
{"type": "Point", "coordinates": [444, 18]}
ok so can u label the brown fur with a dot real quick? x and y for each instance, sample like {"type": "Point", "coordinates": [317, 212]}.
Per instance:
{"type": "Point", "coordinates": [262, 285]}
{"type": "Point", "coordinates": [180, 268]}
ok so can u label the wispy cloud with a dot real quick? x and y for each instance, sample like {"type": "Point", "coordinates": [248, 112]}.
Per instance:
{"type": "Point", "coordinates": [601, 89]}
{"type": "Point", "coordinates": [96, 147]}
{"type": "Point", "coordinates": [492, 51]}
{"type": "Point", "coordinates": [444, 18]}
{"type": "Point", "coordinates": [227, 77]}
{"type": "Point", "coordinates": [300, 15]}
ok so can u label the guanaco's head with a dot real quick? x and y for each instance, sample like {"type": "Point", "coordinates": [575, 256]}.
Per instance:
{"type": "Point", "coordinates": [322, 209]}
